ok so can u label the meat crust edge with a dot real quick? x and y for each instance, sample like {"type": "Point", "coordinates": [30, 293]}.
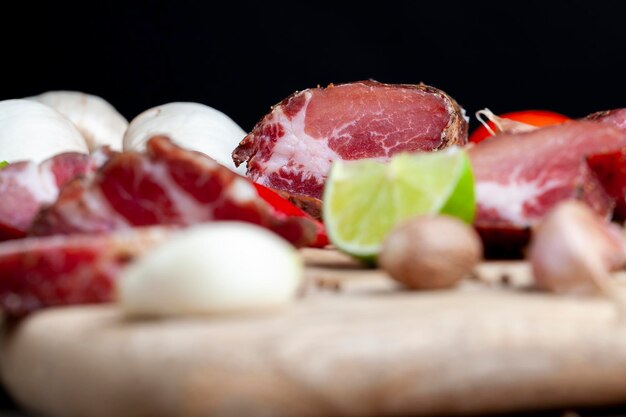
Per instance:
{"type": "Point", "coordinates": [455, 132]}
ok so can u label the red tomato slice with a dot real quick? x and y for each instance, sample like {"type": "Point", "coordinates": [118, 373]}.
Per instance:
{"type": "Point", "coordinates": [532, 117]}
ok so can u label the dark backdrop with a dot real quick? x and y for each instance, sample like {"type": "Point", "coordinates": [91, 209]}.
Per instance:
{"type": "Point", "coordinates": [565, 56]}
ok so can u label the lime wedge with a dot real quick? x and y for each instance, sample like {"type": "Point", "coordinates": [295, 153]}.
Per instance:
{"type": "Point", "coordinates": [365, 199]}
{"type": "Point", "coordinates": [3, 163]}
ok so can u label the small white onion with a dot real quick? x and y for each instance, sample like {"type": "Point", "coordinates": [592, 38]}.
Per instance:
{"type": "Point", "coordinates": [34, 131]}
{"type": "Point", "coordinates": [96, 119]}
{"type": "Point", "coordinates": [212, 268]}
{"type": "Point", "coordinates": [194, 126]}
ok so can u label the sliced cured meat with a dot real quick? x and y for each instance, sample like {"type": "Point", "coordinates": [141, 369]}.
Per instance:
{"type": "Point", "coordinates": [519, 177]}
{"type": "Point", "coordinates": [310, 205]}
{"type": "Point", "coordinates": [283, 205]}
{"type": "Point", "coordinates": [39, 272]}
{"type": "Point", "coordinates": [27, 186]}
{"type": "Point", "coordinates": [292, 147]}
{"type": "Point", "coordinates": [610, 168]}
{"type": "Point", "coordinates": [166, 185]}
{"type": "Point", "coordinates": [616, 117]}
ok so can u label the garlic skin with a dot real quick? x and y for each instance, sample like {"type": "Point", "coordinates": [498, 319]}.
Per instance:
{"type": "Point", "coordinates": [212, 268]}
{"type": "Point", "coordinates": [194, 126]}
{"type": "Point", "coordinates": [33, 131]}
{"type": "Point", "coordinates": [96, 119]}
{"type": "Point", "coordinates": [502, 125]}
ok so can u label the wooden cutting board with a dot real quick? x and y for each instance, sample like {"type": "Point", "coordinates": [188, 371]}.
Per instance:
{"type": "Point", "coordinates": [354, 345]}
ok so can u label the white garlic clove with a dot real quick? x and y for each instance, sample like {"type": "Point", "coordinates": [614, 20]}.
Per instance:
{"type": "Point", "coordinates": [96, 119]}
{"type": "Point", "coordinates": [573, 251]}
{"type": "Point", "coordinates": [212, 268]}
{"type": "Point", "coordinates": [194, 126]}
{"type": "Point", "coordinates": [33, 131]}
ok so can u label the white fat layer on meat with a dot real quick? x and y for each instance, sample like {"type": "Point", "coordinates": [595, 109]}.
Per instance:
{"type": "Point", "coordinates": [241, 191]}
{"type": "Point", "coordinates": [190, 208]}
{"type": "Point", "coordinates": [621, 124]}
{"type": "Point", "coordinates": [98, 207]}
{"type": "Point", "coordinates": [39, 181]}
{"type": "Point", "coordinates": [509, 198]}
{"type": "Point", "coordinates": [99, 157]}
{"type": "Point", "coordinates": [310, 156]}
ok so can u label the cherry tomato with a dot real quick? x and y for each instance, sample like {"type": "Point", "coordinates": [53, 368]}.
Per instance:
{"type": "Point", "coordinates": [532, 117]}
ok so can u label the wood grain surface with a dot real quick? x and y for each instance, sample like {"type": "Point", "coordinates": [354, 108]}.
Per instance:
{"type": "Point", "coordinates": [354, 344]}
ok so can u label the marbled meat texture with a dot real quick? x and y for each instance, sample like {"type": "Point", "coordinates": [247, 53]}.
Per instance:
{"type": "Point", "coordinates": [520, 177]}
{"type": "Point", "coordinates": [292, 148]}
{"type": "Point", "coordinates": [38, 272]}
{"type": "Point", "coordinates": [610, 168]}
{"type": "Point", "coordinates": [165, 185]}
{"type": "Point", "coordinates": [26, 187]}
{"type": "Point", "coordinates": [615, 117]}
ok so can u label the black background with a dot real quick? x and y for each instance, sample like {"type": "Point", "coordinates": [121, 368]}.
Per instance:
{"type": "Point", "coordinates": [243, 57]}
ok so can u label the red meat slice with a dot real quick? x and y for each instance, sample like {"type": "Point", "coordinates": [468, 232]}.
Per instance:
{"type": "Point", "coordinates": [282, 205]}
{"type": "Point", "coordinates": [26, 186]}
{"type": "Point", "coordinates": [616, 117]}
{"type": "Point", "coordinates": [291, 149]}
{"type": "Point", "coordinates": [610, 168]}
{"type": "Point", "coordinates": [50, 271]}
{"type": "Point", "coordinates": [166, 185]}
{"type": "Point", "coordinates": [519, 177]}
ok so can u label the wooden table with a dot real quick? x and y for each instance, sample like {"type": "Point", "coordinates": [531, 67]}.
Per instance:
{"type": "Point", "coordinates": [355, 344]}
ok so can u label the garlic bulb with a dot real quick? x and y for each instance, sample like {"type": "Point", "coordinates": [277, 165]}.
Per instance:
{"type": "Point", "coordinates": [212, 268]}
{"type": "Point", "coordinates": [96, 119]}
{"type": "Point", "coordinates": [34, 131]}
{"type": "Point", "coordinates": [191, 125]}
